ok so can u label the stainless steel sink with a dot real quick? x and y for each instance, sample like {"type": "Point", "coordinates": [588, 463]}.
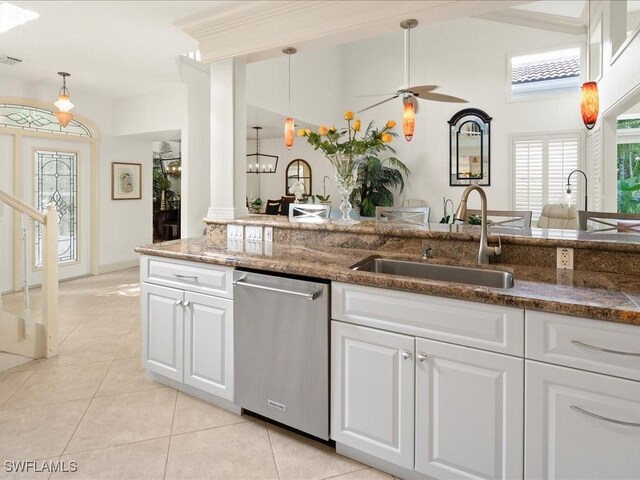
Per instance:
{"type": "Point", "coordinates": [431, 271]}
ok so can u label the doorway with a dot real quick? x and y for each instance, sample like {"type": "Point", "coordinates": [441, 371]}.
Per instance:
{"type": "Point", "coordinates": [167, 189]}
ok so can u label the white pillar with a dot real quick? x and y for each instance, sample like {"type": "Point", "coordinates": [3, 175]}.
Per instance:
{"type": "Point", "coordinates": [228, 139]}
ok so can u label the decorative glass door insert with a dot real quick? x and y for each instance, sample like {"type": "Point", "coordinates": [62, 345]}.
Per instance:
{"type": "Point", "coordinates": [56, 182]}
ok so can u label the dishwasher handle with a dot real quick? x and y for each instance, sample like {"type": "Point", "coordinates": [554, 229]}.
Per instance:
{"type": "Point", "coordinates": [310, 296]}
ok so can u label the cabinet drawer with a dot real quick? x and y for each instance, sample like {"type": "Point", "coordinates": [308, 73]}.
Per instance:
{"type": "Point", "coordinates": [580, 425]}
{"type": "Point", "coordinates": [186, 275]}
{"type": "Point", "coordinates": [489, 327]}
{"type": "Point", "coordinates": [603, 347]}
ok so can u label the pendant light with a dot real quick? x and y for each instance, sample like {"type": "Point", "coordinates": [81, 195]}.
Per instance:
{"type": "Point", "coordinates": [409, 115]}
{"type": "Point", "coordinates": [289, 126]}
{"type": "Point", "coordinates": [63, 104]}
{"type": "Point", "coordinates": [589, 102]}
{"type": "Point", "coordinates": [261, 162]}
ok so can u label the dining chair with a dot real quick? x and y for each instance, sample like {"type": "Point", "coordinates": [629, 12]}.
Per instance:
{"type": "Point", "coordinates": [309, 213]}
{"type": "Point", "coordinates": [415, 216]}
{"type": "Point", "coordinates": [609, 221]}
{"type": "Point", "coordinates": [504, 218]}
{"type": "Point", "coordinates": [273, 207]}
{"type": "Point", "coordinates": [556, 215]}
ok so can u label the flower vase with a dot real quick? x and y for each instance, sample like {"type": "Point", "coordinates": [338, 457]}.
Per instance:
{"type": "Point", "coordinates": [346, 179]}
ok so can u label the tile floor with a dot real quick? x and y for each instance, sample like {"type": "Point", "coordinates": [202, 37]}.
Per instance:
{"type": "Point", "coordinates": [93, 405]}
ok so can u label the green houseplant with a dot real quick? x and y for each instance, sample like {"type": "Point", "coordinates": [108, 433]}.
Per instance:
{"type": "Point", "coordinates": [376, 180]}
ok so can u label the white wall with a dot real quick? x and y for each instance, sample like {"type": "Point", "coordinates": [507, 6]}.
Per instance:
{"type": "Point", "coordinates": [466, 57]}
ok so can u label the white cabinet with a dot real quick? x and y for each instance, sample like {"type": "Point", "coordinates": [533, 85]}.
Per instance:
{"type": "Point", "coordinates": [188, 335]}
{"type": "Point", "coordinates": [580, 425]}
{"type": "Point", "coordinates": [208, 335]}
{"type": "Point", "coordinates": [469, 419]}
{"type": "Point", "coordinates": [372, 384]}
{"type": "Point", "coordinates": [162, 318]}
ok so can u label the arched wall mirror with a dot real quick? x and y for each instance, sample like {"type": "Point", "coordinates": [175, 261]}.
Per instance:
{"type": "Point", "coordinates": [298, 169]}
{"type": "Point", "coordinates": [470, 148]}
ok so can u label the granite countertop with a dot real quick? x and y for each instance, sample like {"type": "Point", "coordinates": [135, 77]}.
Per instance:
{"type": "Point", "coordinates": [609, 240]}
{"type": "Point", "coordinates": [602, 296]}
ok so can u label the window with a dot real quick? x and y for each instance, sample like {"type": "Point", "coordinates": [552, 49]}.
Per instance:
{"type": "Point", "coordinates": [37, 119]}
{"type": "Point", "coordinates": [56, 182]}
{"type": "Point", "coordinates": [194, 55]}
{"type": "Point", "coordinates": [551, 72]}
{"type": "Point", "coordinates": [542, 165]}
{"type": "Point", "coordinates": [628, 165]}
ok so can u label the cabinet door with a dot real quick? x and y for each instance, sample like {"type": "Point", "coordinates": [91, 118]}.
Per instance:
{"type": "Point", "coordinates": [209, 344]}
{"type": "Point", "coordinates": [580, 425]}
{"type": "Point", "coordinates": [372, 397]}
{"type": "Point", "coordinates": [162, 330]}
{"type": "Point", "coordinates": [469, 412]}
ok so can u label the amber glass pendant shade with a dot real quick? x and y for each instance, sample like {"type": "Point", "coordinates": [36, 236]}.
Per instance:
{"type": "Point", "coordinates": [64, 118]}
{"type": "Point", "coordinates": [589, 104]}
{"type": "Point", "coordinates": [289, 133]}
{"type": "Point", "coordinates": [409, 120]}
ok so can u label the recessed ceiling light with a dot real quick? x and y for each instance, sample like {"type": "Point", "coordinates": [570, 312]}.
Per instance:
{"type": "Point", "coordinates": [12, 16]}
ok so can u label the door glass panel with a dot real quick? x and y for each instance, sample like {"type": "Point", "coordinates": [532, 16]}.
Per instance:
{"type": "Point", "coordinates": [56, 182]}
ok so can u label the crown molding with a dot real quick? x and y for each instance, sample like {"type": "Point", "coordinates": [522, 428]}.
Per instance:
{"type": "Point", "coordinates": [543, 21]}
{"type": "Point", "coordinates": [256, 30]}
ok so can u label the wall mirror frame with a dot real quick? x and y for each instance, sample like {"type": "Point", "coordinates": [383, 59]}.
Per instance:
{"type": "Point", "coordinates": [298, 170]}
{"type": "Point", "coordinates": [470, 148]}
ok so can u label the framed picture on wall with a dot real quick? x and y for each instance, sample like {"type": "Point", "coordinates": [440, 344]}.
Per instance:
{"type": "Point", "coordinates": [125, 181]}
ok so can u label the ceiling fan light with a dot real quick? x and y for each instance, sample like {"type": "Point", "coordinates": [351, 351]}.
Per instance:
{"type": "Point", "coordinates": [589, 104]}
{"type": "Point", "coordinates": [409, 120]}
{"type": "Point", "coordinates": [64, 104]}
{"type": "Point", "coordinates": [289, 133]}
{"type": "Point", "coordinates": [64, 118]}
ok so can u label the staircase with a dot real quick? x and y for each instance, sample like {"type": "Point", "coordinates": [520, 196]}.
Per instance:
{"type": "Point", "coordinates": [22, 334]}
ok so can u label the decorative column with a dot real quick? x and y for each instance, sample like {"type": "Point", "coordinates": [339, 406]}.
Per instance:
{"type": "Point", "coordinates": [228, 139]}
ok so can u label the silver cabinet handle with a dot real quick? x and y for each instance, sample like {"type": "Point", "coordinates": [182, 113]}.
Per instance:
{"type": "Point", "coordinates": [606, 419]}
{"type": "Point", "coordinates": [178, 303]}
{"type": "Point", "coordinates": [193, 277]}
{"type": "Point", "coordinates": [422, 357]}
{"type": "Point", "coordinates": [186, 304]}
{"type": "Point", "coordinates": [310, 296]}
{"type": "Point", "coordinates": [606, 350]}
{"type": "Point", "coordinates": [406, 354]}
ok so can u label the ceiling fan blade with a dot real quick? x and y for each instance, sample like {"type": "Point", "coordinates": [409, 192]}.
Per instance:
{"type": "Point", "coordinates": [420, 90]}
{"type": "Point", "coordinates": [377, 95]}
{"type": "Point", "coordinates": [376, 104]}
{"type": "Point", "coordinates": [439, 97]}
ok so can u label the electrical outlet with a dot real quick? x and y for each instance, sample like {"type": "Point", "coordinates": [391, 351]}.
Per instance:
{"type": "Point", "coordinates": [235, 232]}
{"type": "Point", "coordinates": [268, 234]}
{"type": "Point", "coordinates": [253, 233]}
{"type": "Point", "coordinates": [565, 258]}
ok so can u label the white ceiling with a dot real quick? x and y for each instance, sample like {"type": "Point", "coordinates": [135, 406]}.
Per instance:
{"type": "Point", "coordinates": [272, 123]}
{"type": "Point", "coordinates": [565, 8]}
{"type": "Point", "coordinates": [117, 48]}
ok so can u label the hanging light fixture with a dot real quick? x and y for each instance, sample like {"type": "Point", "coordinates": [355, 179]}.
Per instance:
{"type": "Point", "coordinates": [261, 162]}
{"type": "Point", "coordinates": [589, 102]}
{"type": "Point", "coordinates": [63, 104]}
{"type": "Point", "coordinates": [289, 127]}
{"type": "Point", "coordinates": [409, 100]}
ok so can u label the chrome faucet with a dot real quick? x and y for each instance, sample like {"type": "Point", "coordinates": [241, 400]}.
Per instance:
{"type": "Point", "coordinates": [485, 250]}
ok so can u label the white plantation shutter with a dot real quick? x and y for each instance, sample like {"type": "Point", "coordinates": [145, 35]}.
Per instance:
{"type": "Point", "coordinates": [542, 165]}
{"type": "Point", "coordinates": [562, 160]}
{"type": "Point", "coordinates": [529, 166]}
{"type": "Point", "coordinates": [594, 169]}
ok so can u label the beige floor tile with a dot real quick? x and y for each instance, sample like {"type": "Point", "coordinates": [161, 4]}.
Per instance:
{"type": "Point", "coordinates": [135, 461]}
{"type": "Point", "coordinates": [103, 327]}
{"type": "Point", "coordinates": [299, 457]}
{"type": "Point", "coordinates": [38, 432]}
{"type": "Point", "coordinates": [366, 474]}
{"type": "Point", "coordinates": [131, 346]}
{"type": "Point", "coordinates": [193, 414]}
{"type": "Point", "coordinates": [10, 383]}
{"type": "Point", "coordinates": [79, 351]}
{"type": "Point", "coordinates": [125, 376]}
{"type": "Point", "coordinates": [59, 384]}
{"type": "Point", "coordinates": [232, 452]}
{"type": "Point", "coordinates": [25, 367]}
{"type": "Point", "coordinates": [125, 418]}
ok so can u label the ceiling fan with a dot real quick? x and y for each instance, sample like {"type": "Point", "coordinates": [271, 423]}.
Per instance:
{"type": "Point", "coordinates": [408, 93]}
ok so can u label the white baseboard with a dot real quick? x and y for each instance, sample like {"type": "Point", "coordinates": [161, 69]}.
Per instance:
{"type": "Point", "coordinates": [113, 267]}
{"type": "Point", "coordinates": [216, 213]}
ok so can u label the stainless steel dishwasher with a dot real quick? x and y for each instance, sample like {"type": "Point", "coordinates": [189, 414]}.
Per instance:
{"type": "Point", "coordinates": [281, 349]}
